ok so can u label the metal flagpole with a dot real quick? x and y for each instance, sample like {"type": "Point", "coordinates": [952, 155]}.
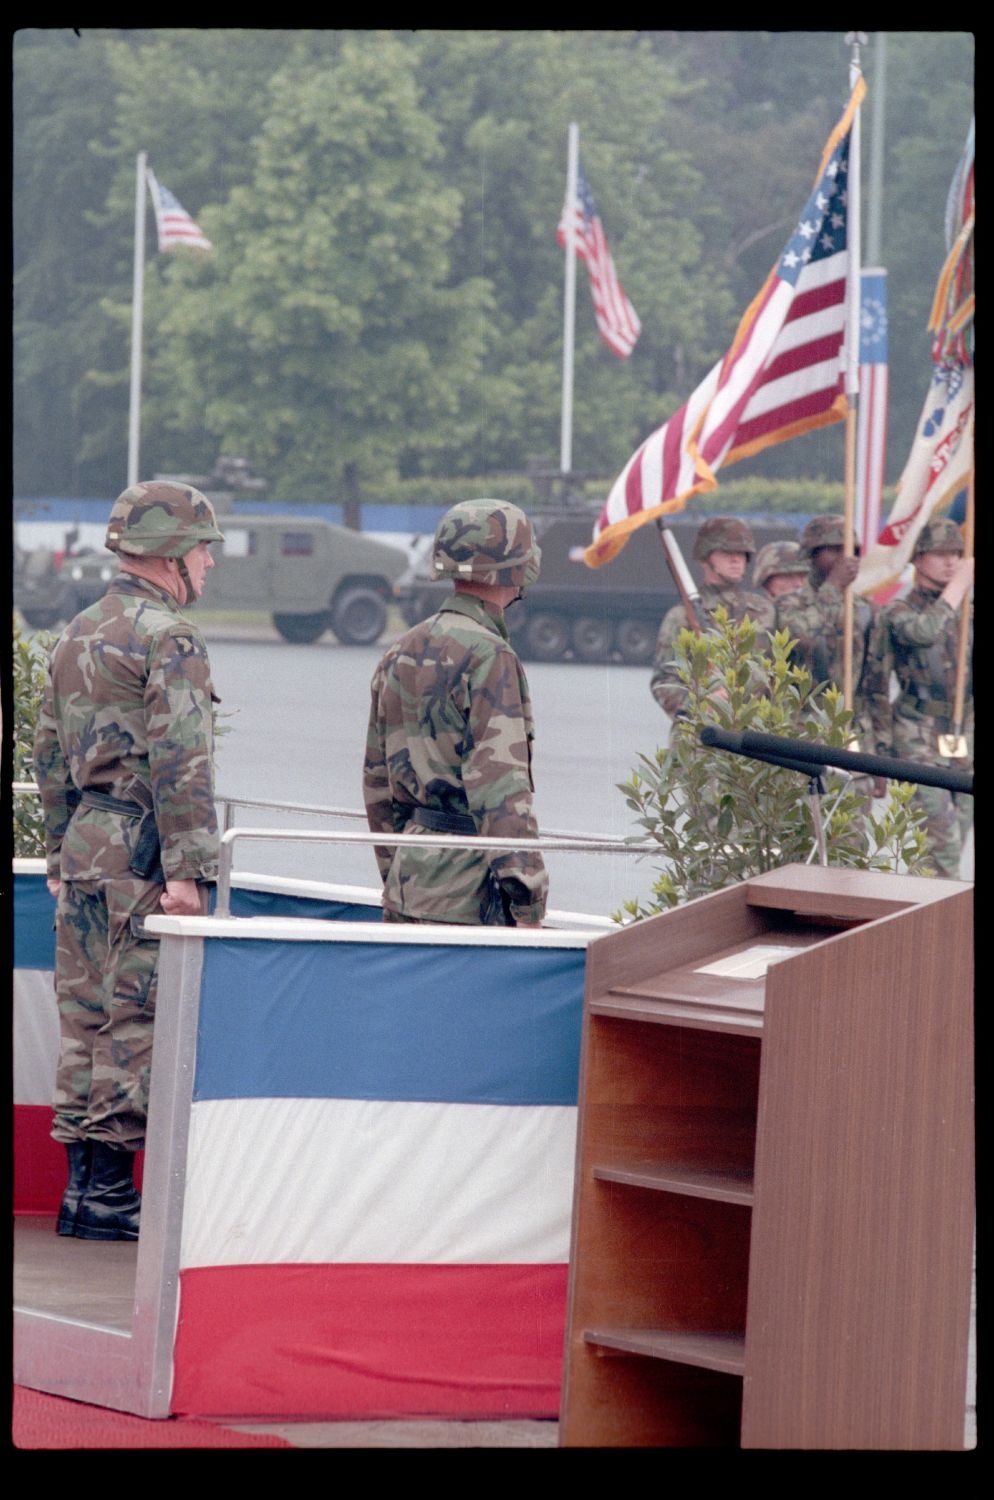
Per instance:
{"type": "Point", "coordinates": [137, 296]}
{"type": "Point", "coordinates": [569, 302]}
{"type": "Point", "coordinates": [855, 39]}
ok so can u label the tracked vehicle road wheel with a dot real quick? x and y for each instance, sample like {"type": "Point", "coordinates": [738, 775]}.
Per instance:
{"type": "Point", "coordinates": [593, 638]}
{"type": "Point", "coordinates": [547, 635]}
{"type": "Point", "coordinates": [636, 641]}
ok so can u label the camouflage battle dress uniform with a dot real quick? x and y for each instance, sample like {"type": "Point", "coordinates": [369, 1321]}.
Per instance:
{"type": "Point", "coordinates": [449, 740]}
{"type": "Point", "coordinates": [717, 533]}
{"type": "Point", "coordinates": [917, 639]}
{"type": "Point", "coordinates": [814, 616]}
{"type": "Point", "coordinates": [127, 714]}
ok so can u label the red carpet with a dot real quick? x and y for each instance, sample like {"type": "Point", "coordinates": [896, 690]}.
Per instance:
{"type": "Point", "coordinates": [41, 1421]}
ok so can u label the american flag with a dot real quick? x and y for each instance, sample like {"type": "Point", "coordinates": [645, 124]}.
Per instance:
{"type": "Point", "coordinates": [783, 375]}
{"type": "Point", "coordinates": [173, 224]}
{"type": "Point", "coordinates": [871, 434]}
{"type": "Point", "coordinates": [617, 320]}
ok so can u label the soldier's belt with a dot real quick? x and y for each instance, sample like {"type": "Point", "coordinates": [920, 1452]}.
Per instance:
{"type": "Point", "coordinates": [443, 822]}
{"type": "Point", "coordinates": [106, 803]}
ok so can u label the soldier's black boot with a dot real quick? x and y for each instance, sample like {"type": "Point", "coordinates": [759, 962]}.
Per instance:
{"type": "Point", "coordinates": [110, 1207]}
{"type": "Point", "coordinates": [78, 1153]}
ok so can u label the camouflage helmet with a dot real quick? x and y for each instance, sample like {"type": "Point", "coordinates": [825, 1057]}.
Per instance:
{"type": "Point", "coordinates": [723, 534]}
{"type": "Point", "coordinates": [942, 535]}
{"type": "Point", "coordinates": [486, 541]}
{"type": "Point", "coordinates": [823, 531]}
{"type": "Point", "coordinates": [159, 518]}
{"type": "Point", "coordinates": [777, 557]}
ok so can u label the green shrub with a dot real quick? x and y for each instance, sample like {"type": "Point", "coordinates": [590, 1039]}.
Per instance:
{"type": "Point", "coordinates": [31, 655]}
{"type": "Point", "coordinates": [718, 817]}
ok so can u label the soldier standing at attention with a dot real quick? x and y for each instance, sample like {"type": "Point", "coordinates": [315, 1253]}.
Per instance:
{"type": "Point", "coordinates": [723, 546]}
{"type": "Point", "coordinates": [916, 638]}
{"type": "Point", "coordinates": [814, 616]}
{"type": "Point", "coordinates": [450, 735]}
{"type": "Point", "coordinates": [123, 756]}
{"type": "Point", "coordinates": [780, 568]}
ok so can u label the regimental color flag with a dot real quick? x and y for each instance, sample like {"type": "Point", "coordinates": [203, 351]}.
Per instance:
{"type": "Point", "coordinates": [941, 459]}
{"type": "Point", "coordinates": [783, 375]}
{"type": "Point", "coordinates": [617, 321]}
{"type": "Point", "coordinates": [871, 436]}
{"type": "Point", "coordinates": [173, 224]}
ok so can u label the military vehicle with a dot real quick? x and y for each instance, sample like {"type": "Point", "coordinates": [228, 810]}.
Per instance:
{"type": "Point", "coordinates": [309, 574]}
{"type": "Point", "coordinates": [577, 613]}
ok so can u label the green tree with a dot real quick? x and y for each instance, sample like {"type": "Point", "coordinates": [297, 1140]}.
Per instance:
{"type": "Point", "coordinates": [326, 338]}
{"type": "Point", "coordinates": [30, 664]}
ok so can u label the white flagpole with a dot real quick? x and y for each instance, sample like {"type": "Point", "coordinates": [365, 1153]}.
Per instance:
{"type": "Point", "coordinates": [855, 39]}
{"type": "Point", "coordinates": [137, 297]}
{"type": "Point", "coordinates": [569, 302]}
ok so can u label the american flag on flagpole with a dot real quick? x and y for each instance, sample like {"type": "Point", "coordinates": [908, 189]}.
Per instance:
{"type": "Point", "coordinates": [172, 222]}
{"type": "Point", "coordinates": [871, 439]}
{"type": "Point", "coordinates": [617, 321]}
{"type": "Point", "coordinates": [783, 375]}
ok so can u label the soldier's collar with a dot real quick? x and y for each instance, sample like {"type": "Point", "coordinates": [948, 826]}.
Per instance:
{"type": "Point", "coordinates": [130, 583]}
{"type": "Point", "coordinates": [478, 609]}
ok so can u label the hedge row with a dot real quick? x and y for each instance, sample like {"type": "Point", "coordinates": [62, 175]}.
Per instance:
{"type": "Point", "coordinates": [798, 496]}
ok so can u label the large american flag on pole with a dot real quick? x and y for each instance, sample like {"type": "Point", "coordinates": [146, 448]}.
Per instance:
{"type": "Point", "coordinates": [172, 222]}
{"type": "Point", "coordinates": [617, 321]}
{"type": "Point", "coordinates": [783, 375]}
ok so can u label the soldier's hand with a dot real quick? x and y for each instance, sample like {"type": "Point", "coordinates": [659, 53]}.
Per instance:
{"type": "Point", "coordinates": [879, 786]}
{"type": "Point", "coordinates": [54, 887]}
{"type": "Point", "coordinates": [843, 571]}
{"type": "Point", "coordinates": [181, 898]}
{"type": "Point", "coordinates": [960, 583]}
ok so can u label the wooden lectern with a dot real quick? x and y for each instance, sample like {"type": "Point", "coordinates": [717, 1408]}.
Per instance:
{"type": "Point", "coordinates": [773, 1211]}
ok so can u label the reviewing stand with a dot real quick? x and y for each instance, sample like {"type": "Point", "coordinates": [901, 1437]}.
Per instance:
{"type": "Point", "coordinates": [773, 1209]}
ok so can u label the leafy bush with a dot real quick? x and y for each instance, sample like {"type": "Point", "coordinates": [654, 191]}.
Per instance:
{"type": "Point", "coordinates": [31, 655]}
{"type": "Point", "coordinates": [719, 818]}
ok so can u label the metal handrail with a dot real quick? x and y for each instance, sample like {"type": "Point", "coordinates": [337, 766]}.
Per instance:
{"type": "Point", "coordinates": [222, 904]}
{"type": "Point", "coordinates": [549, 841]}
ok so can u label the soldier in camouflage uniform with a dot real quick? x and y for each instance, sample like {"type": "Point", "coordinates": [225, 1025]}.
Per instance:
{"type": "Point", "coordinates": [123, 758]}
{"type": "Point", "coordinates": [916, 638]}
{"type": "Point", "coordinates": [450, 735]}
{"type": "Point", "coordinates": [779, 568]}
{"type": "Point", "coordinates": [814, 616]}
{"type": "Point", "coordinates": [723, 546]}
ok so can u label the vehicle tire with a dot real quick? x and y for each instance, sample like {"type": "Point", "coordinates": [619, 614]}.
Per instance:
{"type": "Point", "coordinates": [547, 635]}
{"type": "Point", "coordinates": [302, 629]}
{"type": "Point", "coordinates": [358, 616]}
{"type": "Point", "coordinates": [41, 619]}
{"type": "Point", "coordinates": [592, 638]}
{"type": "Point", "coordinates": [636, 641]}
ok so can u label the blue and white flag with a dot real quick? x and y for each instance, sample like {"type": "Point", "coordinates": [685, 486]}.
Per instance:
{"type": "Point", "coordinates": [871, 431]}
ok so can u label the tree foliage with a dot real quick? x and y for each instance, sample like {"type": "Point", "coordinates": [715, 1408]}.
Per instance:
{"type": "Point", "coordinates": [30, 664]}
{"type": "Point", "coordinates": [719, 818]}
{"type": "Point", "coordinates": [385, 295]}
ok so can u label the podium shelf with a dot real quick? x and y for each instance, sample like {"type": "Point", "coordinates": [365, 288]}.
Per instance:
{"type": "Point", "coordinates": [729, 1186]}
{"type": "Point", "coordinates": [708, 1351]}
